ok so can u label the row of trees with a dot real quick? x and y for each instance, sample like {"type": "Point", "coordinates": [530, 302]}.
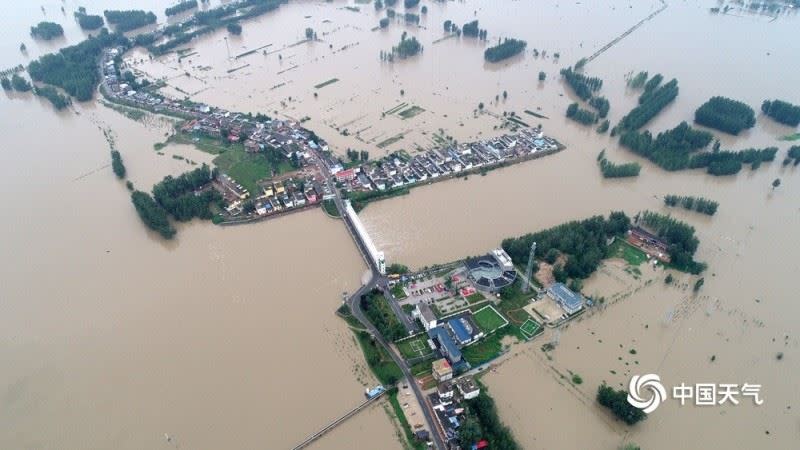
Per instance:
{"type": "Point", "coordinates": [74, 68]}
{"type": "Point", "coordinates": [152, 215]}
{"type": "Point", "coordinates": [601, 104]}
{"type": "Point", "coordinates": [581, 115]}
{"type": "Point", "coordinates": [204, 22]}
{"type": "Point", "coordinates": [584, 86]}
{"type": "Point", "coordinates": [355, 155]}
{"type": "Point", "coordinates": [47, 30]}
{"type": "Point", "coordinates": [617, 402]}
{"type": "Point", "coordinates": [471, 29]}
{"type": "Point", "coordinates": [699, 204]}
{"type": "Point", "coordinates": [730, 162]}
{"type": "Point", "coordinates": [505, 49]}
{"type": "Point", "coordinates": [638, 81]}
{"type": "Point", "coordinates": [682, 243]}
{"type": "Point", "coordinates": [651, 102]}
{"type": "Point", "coordinates": [671, 149]}
{"type": "Point", "coordinates": [88, 21]}
{"type": "Point", "coordinates": [783, 112]}
{"type": "Point", "coordinates": [381, 315]}
{"type": "Point", "coordinates": [407, 47]}
{"type": "Point", "coordinates": [725, 114]}
{"type": "Point", "coordinates": [116, 164]}
{"type": "Point", "coordinates": [129, 20]}
{"type": "Point", "coordinates": [181, 7]}
{"type": "Point", "coordinates": [483, 422]}
{"type": "Point", "coordinates": [611, 170]}
{"type": "Point", "coordinates": [583, 242]}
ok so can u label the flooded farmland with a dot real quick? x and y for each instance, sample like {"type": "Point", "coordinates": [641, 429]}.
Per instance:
{"type": "Point", "coordinates": [226, 337]}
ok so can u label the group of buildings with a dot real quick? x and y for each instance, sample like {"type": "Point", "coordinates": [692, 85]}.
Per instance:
{"type": "Point", "coordinates": [399, 169]}
{"type": "Point", "coordinates": [447, 403]}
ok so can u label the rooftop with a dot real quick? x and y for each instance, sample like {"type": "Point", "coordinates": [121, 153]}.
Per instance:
{"type": "Point", "coordinates": [563, 294]}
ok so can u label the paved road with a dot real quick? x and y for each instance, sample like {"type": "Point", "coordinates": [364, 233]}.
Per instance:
{"type": "Point", "coordinates": [354, 302]}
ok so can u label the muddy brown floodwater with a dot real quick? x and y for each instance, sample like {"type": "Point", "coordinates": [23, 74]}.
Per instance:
{"type": "Point", "coordinates": [226, 337]}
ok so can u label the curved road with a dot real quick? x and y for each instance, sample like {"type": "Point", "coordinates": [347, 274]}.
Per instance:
{"type": "Point", "coordinates": [354, 302]}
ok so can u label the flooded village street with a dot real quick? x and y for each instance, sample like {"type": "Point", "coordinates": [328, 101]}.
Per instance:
{"type": "Point", "coordinates": [226, 337]}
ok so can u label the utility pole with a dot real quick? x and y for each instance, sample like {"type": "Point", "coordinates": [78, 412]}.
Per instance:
{"type": "Point", "coordinates": [529, 271]}
{"type": "Point", "coordinates": [228, 47]}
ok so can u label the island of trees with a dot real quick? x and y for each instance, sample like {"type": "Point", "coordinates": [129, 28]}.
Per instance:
{"type": "Point", "coordinates": [234, 28]}
{"type": "Point", "coordinates": [580, 115]}
{"type": "Point", "coordinates": [654, 98]}
{"type": "Point", "coordinates": [794, 153]}
{"type": "Point", "coordinates": [58, 100]}
{"type": "Point", "coordinates": [584, 86]}
{"type": "Point", "coordinates": [406, 48]}
{"type": "Point", "coordinates": [725, 114]}
{"type": "Point", "coordinates": [74, 68]}
{"type": "Point", "coordinates": [678, 149]}
{"type": "Point", "coordinates": [617, 402]}
{"type": "Point", "coordinates": [129, 20]}
{"type": "Point", "coordinates": [471, 29]}
{"type": "Point", "coordinates": [611, 170]}
{"type": "Point", "coordinates": [181, 7]}
{"type": "Point", "coordinates": [116, 164]}
{"type": "Point", "coordinates": [783, 112]}
{"type": "Point", "coordinates": [691, 203]}
{"type": "Point", "coordinates": [87, 21]}
{"type": "Point", "coordinates": [47, 30]}
{"type": "Point", "coordinates": [504, 50]}
{"type": "Point", "coordinates": [410, 3]}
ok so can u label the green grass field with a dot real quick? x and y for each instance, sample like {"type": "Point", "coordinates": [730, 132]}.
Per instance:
{"type": "Point", "coordinates": [410, 112]}
{"type": "Point", "coordinates": [529, 328]}
{"type": "Point", "coordinates": [624, 250]}
{"type": "Point", "coordinates": [414, 347]}
{"type": "Point", "coordinates": [488, 319]}
{"type": "Point", "coordinates": [475, 298]}
{"type": "Point", "coordinates": [247, 168]}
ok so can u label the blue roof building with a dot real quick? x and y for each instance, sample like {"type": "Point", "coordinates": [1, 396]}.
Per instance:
{"type": "Point", "coordinates": [463, 335]}
{"type": "Point", "coordinates": [447, 345]}
{"type": "Point", "coordinates": [569, 301]}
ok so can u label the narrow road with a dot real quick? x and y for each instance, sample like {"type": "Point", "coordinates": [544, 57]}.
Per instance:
{"type": "Point", "coordinates": [354, 302]}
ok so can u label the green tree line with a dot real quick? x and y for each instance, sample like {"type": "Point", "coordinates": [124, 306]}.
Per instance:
{"type": "Point", "coordinates": [582, 242]}
{"type": "Point", "coordinates": [116, 164]}
{"type": "Point", "coordinates": [699, 204]}
{"type": "Point", "coordinates": [725, 114]}
{"type": "Point", "coordinates": [505, 49]}
{"type": "Point", "coordinates": [483, 422]}
{"type": "Point", "coordinates": [584, 86]}
{"type": "Point", "coordinates": [617, 402]}
{"type": "Point", "coordinates": [581, 115]}
{"type": "Point", "coordinates": [179, 197]}
{"type": "Point", "coordinates": [671, 149]}
{"type": "Point", "coordinates": [602, 105]}
{"type": "Point", "coordinates": [612, 170]}
{"type": "Point", "coordinates": [129, 20]}
{"type": "Point", "coordinates": [180, 7]}
{"type": "Point", "coordinates": [88, 21]}
{"type": "Point", "coordinates": [651, 102]}
{"type": "Point", "coordinates": [783, 112]}
{"type": "Point", "coordinates": [152, 215]}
